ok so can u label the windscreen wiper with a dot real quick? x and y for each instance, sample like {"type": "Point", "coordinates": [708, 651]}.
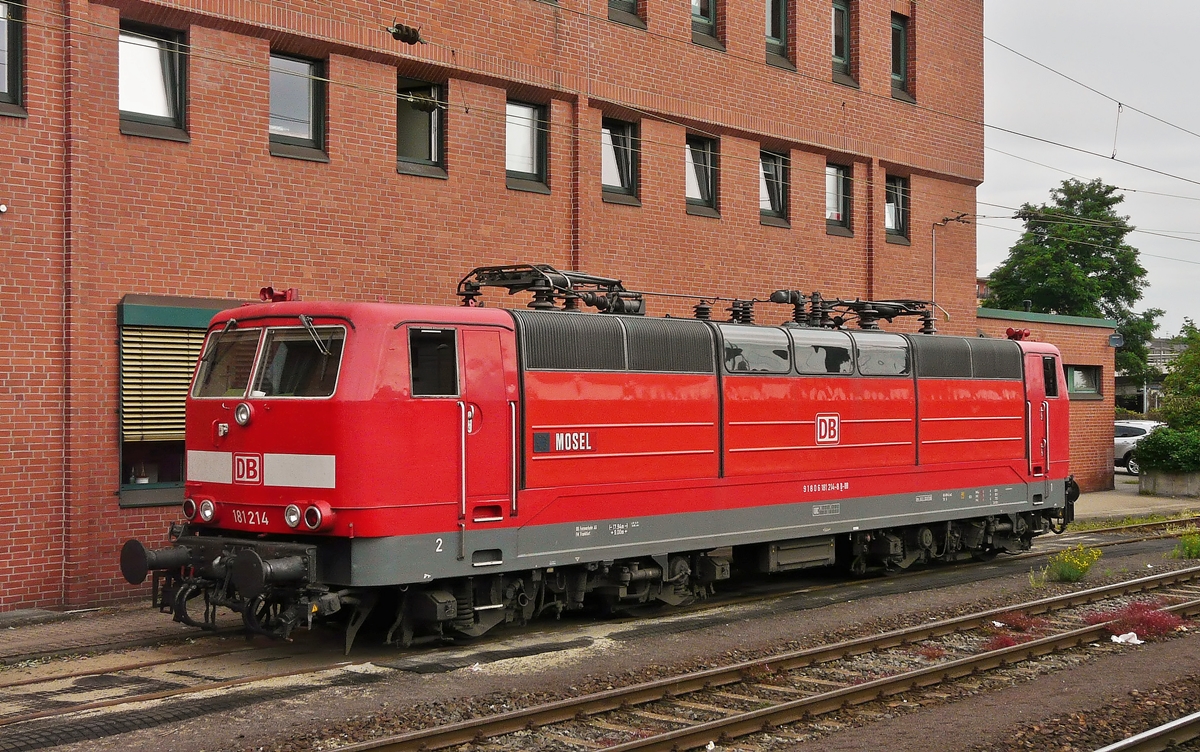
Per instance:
{"type": "Point", "coordinates": [312, 332]}
{"type": "Point", "coordinates": [209, 356]}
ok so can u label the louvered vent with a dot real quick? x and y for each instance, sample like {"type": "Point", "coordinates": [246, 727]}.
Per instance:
{"type": "Point", "coordinates": [995, 358]}
{"type": "Point", "coordinates": [670, 346]}
{"type": "Point", "coordinates": [571, 341]}
{"type": "Point", "coordinates": [156, 369]}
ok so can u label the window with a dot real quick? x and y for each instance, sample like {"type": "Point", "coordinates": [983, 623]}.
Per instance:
{"type": "Point", "coordinates": [297, 124]}
{"type": "Point", "coordinates": [701, 177]}
{"type": "Point", "coordinates": [881, 354]}
{"type": "Point", "coordinates": [772, 186]}
{"type": "Point", "coordinates": [822, 352]}
{"type": "Point", "coordinates": [160, 342]}
{"type": "Point", "coordinates": [777, 27]}
{"type": "Point", "coordinates": [525, 147]}
{"type": "Point", "coordinates": [297, 362]}
{"type": "Point", "coordinates": [1083, 382]}
{"type": "Point", "coordinates": [10, 58]}
{"type": "Point", "coordinates": [625, 11]}
{"type": "Point", "coordinates": [150, 80]}
{"type": "Point", "coordinates": [618, 157]}
{"type": "Point", "coordinates": [433, 362]}
{"type": "Point", "coordinates": [704, 21]}
{"type": "Point", "coordinates": [900, 56]}
{"type": "Point", "coordinates": [1050, 374]}
{"type": "Point", "coordinates": [419, 129]}
{"type": "Point", "coordinates": [228, 360]}
{"type": "Point", "coordinates": [896, 207]}
{"type": "Point", "coordinates": [837, 197]}
{"type": "Point", "coordinates": [756, 349]}
{"type": "Point", "coordinates": [842, 41]}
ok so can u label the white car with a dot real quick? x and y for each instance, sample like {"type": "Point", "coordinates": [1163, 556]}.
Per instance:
{"type": "Point", "coordinates": [1126, 435]}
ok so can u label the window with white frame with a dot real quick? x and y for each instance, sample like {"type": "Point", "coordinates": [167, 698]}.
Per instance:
{"type": "Point", "coordinates": [525, 144]}
{"type": "Point", "coordinates": [701, 175]}
{"type": "Point", "coordinates": [837, 196]}
{"type": "Point", "coordinates": [150, 78]}
{"type": "Point", "coordinates": [618, 157]}
{"type": "Point", "coordinates": [772, 185]}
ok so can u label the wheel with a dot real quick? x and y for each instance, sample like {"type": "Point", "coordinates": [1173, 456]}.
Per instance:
{"type": "Point", "coordinates": [1131, 465]}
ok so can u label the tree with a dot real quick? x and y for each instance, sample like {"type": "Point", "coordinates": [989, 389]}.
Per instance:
{"type": "Point", "coordinates": [1181, 386]}
{"type": "Point", "coordinates": [1073, 260]}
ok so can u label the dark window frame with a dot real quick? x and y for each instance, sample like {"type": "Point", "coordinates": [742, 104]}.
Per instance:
{"type": "Point", "coordinates": [313, 148]}
{"type": "Point", "coordinates": [845, 191]}
{"type": "Point", "coordinates": [843, 65]}
{"type": "Point", "coordinates": [174, 63]}
{"type": "Point", "coordinates": [902, 81]}
{"type": "Point", "coordinates": [898, 191]}
{"type": "Point", "coordinates": [430, 333]}
{"type": "Point", "coordinates": [1084, 394]}
{"type": "Point", "coordinates": [777, 13]}
{"type": "Point", "coordinates": [536, 181]}
{"type": "Point", "coordinates": [706, 27]}
{"type": "Point", "coordinates": [12, 100]}
{"type": "Point", "coordinates": [708, 206]}
{"type": "Point", "coordinates": [625, 12]}
{"type": "Point", "coordinates": [778, 213]}
{"type": "Point", "coordinates": [417, 95]}
{"type": "Point", "coordinates": [632, 150]}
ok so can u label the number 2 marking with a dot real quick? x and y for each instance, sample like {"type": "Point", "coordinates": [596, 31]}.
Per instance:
{"type": "Point", "coordinates": [439, 546]}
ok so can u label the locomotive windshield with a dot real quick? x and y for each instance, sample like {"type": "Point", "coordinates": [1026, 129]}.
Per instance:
{"type": "Point", "coordinates": [297, 363]}
{"type": "Point", "coordinates": [226, 365]}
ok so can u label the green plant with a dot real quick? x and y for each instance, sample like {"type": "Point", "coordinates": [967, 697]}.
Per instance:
{"type": "Point", "coordinates": [1037, 577]}
{"type": "Point", "coordinates": [1072, 564]}
{"type": "Point", "coordinates": [1170, 450]}
{"type": "Point", "coordinates": [1188, 547]}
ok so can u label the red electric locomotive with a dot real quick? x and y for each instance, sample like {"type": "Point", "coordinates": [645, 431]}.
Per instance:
{"type": "Point", "coordinates": [475, 466]}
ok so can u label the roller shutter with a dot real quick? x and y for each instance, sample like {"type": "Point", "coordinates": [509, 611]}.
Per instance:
{"type": "Point", "coordinates": [156, 370]}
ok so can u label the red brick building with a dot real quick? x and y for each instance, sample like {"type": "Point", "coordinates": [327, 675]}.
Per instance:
{"type": "Point", "coordinates": [163, 158]}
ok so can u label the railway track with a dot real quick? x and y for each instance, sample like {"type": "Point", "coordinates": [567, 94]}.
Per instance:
{"type": "Point", "coordinates": [755, 697]}
{"type": "Point", "coordinates": [39, 712]}
{"type": "Point", "coordinates": [1167, 736]}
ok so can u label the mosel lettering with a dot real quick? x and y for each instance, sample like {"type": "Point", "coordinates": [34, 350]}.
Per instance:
{"type": "Point", "coordinates": [579, 441]}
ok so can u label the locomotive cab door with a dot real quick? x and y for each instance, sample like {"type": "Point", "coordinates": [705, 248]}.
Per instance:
{"type": "Point", "coordinates": [1041, 387]}
{"type": "Point", "coordinates": [488, 427]}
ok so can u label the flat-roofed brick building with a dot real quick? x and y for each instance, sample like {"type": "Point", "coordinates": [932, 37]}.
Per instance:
{"type": "Point", "coordinates": [163, 159]}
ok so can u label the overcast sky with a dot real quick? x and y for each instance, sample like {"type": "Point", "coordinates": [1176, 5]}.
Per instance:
{"type": "Point", "coordinates": [1144, 55]}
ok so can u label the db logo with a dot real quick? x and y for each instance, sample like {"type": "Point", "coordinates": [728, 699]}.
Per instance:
{"type": "Point", "coordinates": [829, 428]}
{"type": "Point", "coordinates": [247, 468]}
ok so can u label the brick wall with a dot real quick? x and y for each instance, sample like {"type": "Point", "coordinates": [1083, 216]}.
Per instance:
{"type": "Point", "coordinates": [1082, 342]}
{"type": "Point", "coordinates": [96, 215]}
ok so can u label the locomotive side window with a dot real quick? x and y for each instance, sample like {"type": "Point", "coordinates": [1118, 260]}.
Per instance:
{"type": "Point", "coordinates": [820, 352]}
{"type": "Point", "coordinates": [1050, 374]}
{"type": "Point", "coordinates": [296, 365]}
{"type": "Point", "coordinates": [434, 361]}
{"type": "Point", "coordinates": [226, 364]}
{"type": "Point", "coordinates": [882, 354]}
{"type": "Point", "coordinates": [756, 350]}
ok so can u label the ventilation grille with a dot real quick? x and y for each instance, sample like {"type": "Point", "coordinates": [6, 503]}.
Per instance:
{"type": "Point", "coordinates": [156, 370]}
{"type": "Point", "coordinates": [942, 357]}
{"type": "Point", "coordinates": [995, 358]}
{"type": "Point", "coordinates": [571, 341]}
{"type": "Point", "coordinates": [669, 346]}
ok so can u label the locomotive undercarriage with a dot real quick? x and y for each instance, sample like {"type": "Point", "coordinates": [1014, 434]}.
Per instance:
{"type": "Point", "coordinates": [275, 589]}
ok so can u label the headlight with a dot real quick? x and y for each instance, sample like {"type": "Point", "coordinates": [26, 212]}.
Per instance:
{"type": "Point", "coordinates": [291, 515]}
{"type": "Point", "coordinates": [208, 510]}
{"type": "Point", "coordinates": [313, 518]}
{"type": "Point", "coordinates": [189, 508]}
{"type": "Point", "coordinates": [242, 413]}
